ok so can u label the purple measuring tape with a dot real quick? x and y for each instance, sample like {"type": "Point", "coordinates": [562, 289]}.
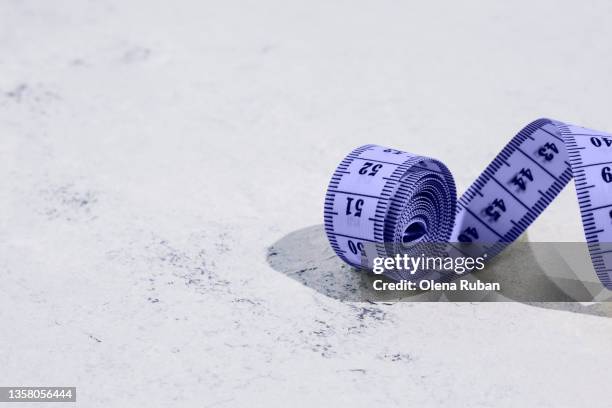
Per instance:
{"type": "Point", "coordinates": [382, 202]}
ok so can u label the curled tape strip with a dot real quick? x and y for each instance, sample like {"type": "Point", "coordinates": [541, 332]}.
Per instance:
{"type": "Point", "coordinates": [381, 202]}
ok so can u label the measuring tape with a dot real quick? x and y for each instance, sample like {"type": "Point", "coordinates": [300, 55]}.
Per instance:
{"type": "Point", "coordinates": [382, 202]}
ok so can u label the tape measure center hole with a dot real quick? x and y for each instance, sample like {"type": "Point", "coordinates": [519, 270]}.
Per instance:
{"type": "Point", "coordinates": [414, 232]}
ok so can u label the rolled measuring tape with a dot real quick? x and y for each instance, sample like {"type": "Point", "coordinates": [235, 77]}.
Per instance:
{"type": "Point", "coordinates": [383, 202]}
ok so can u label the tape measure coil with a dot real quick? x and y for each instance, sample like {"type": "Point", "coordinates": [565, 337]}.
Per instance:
{"type": "Point", "coordinates": [380, 199]}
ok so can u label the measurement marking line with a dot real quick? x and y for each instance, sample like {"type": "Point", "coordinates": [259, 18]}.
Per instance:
{"type": "Point", "coordinates": [357, 194]}
{"type": "Point", "coordinates": [539, 165]}
{"type": "Point", "coordinates": [592, 164]}
{"type": "Point", "coordinates": [466, 254]}
{"type": "Point", "coordinates": [550, 133]}
{"type": "Point", "coordinates": [352, 237]}
{"type": "Point", "coordinates": [378, 161]}
{"type": "Point", "coordinates": [596, 208]}
{"type": "Point", "coordinates": [426, 168]}
{"type": "Point", "coordinates": [589, 134]}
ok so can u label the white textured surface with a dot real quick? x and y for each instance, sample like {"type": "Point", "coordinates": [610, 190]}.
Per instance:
{"type": "Point", "coordinates": [151, 152]}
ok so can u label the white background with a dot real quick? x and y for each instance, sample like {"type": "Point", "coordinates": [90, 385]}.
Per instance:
{"type": "Point", "coordinates": [151, 152]}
